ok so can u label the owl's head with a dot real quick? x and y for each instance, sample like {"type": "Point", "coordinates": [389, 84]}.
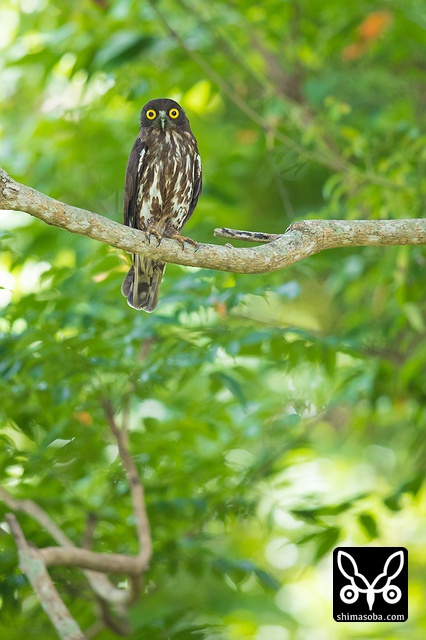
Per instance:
{"type": "Point", "coordinates": [164, 114]}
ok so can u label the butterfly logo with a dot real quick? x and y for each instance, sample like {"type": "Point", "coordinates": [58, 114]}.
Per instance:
{"type": "Point", "coordinates": [359, 583]}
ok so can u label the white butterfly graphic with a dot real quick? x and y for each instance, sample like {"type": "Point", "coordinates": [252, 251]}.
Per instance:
{"type": "Point", "coordinates": [350, 592]}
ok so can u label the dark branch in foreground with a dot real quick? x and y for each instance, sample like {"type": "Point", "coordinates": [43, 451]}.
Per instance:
{"type": "Point", "coordinates": [302, 239]}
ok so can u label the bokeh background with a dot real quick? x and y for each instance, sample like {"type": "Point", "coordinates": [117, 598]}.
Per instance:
{"type": "Point", "coordinates": [273, 417]}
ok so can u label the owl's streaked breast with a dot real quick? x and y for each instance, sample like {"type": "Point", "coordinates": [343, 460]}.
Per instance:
{"type": "Point", "coordinates": [166, 186]}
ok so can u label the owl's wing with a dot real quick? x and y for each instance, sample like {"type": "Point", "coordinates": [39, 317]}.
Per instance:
{"type": "Point", "coordinates": [134, 171]}
{"type": "Point", "coordinates": [198, 183]}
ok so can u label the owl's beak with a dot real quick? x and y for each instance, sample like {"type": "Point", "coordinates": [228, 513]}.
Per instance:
{"type": "Point", "coordinates": [162, 119]}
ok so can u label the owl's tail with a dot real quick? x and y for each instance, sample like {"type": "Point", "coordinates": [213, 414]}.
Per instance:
{"type": "Point", "coordinates": [142, 283]}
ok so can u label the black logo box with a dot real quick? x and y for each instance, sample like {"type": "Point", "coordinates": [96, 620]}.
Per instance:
{"type": "Point", "coordinates": [370, 584]}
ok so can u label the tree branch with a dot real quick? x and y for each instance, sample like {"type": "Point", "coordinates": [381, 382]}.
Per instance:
{"type": "Point", "coordinates": [136, 487]}
{"type": "Point", "coordinates": [32, 565]}
{"type": "Point", "coordinates": [95, 564]}
{"type": "Point", "coordinates": [100, 584]}
{"type": "Point", "coordinates": [92, 560]}
{"type": "Point", "coordinates": [35, 511]}
{"type": "Point", "coordinates": [302, 239]}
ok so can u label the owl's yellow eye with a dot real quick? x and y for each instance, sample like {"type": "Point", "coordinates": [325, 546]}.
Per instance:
{"type": "Point", "coordinates": [151, 114]}
{"type": "Point", "coordinates": [174, 113]}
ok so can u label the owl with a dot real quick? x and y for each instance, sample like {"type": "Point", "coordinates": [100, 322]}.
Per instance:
{"type": "Point", "coordinates": [162, 187]}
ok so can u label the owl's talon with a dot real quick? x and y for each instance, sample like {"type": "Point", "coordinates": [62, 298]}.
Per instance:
{"type": "Point", "coordinates": [189, 241]}
{"type": "Point", "coordinates": [152, 231]}
{"type": "Point", "coordinates": [181, 239]}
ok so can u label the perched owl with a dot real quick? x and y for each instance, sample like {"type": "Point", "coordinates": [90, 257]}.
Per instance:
{"type": "Point", "coordinates": [163, 183]}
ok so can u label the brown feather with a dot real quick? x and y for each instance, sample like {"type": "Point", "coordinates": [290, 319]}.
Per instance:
{"type": "Point", "coordinates": [163, 184]}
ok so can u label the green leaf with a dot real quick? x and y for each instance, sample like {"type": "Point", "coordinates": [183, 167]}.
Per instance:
{"type": "Point", "coordinates": [369, 524]}
{"type": "Point", "coordinates": [326, 541]}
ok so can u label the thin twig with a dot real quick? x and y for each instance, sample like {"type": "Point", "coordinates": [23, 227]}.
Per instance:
{"type": "Point", "coordinates": [247, 236]}
{"type": "Point", "coordinates": [95, 628]}
{"type": "Point", "coordinates": [87, 539]}
{"type": "Point", "coordinates": [119, 625]}
{"type": "Point", "coordinates": [136, 488]}
{"type": "Point", "coordinates": [33, 567]}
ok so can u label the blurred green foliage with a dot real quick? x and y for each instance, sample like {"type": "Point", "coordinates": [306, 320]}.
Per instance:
{"type": "Point", "coordinates": [273, 417]}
